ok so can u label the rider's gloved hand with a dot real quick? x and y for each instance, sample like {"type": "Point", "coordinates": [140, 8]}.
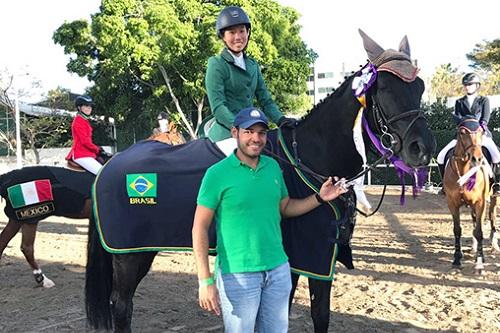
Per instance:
{"type": "Point", "coordinates": [287, 122]}
{"type": "Point", "coordinates": [484, 125]}
{"type": "Point", "coordinates": [103, 153]}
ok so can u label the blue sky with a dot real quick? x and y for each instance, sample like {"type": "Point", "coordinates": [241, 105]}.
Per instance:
{"type": "Point", "coordinates": [439, 31]}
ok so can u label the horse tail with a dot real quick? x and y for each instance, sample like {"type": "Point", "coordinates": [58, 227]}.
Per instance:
{"type": "Point", "coordinates": [98, 281]}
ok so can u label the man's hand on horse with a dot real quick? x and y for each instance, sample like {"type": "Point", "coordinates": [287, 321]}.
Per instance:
{"type": "Point", "coordinates": [209, 298]}
{"type": "Point", "coordinates": [331, 191]}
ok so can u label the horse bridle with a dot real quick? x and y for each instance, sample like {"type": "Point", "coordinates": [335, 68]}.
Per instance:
{"type": "Point", "coordinates": [466, 156]}
{"type": "Point", "coordinates": [388, 137]}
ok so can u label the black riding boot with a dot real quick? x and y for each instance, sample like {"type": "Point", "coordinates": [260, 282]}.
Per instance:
{"type": "Point", "coordinates": [496, 179]}
{"type": "Point", "coordinates": [441, 173]}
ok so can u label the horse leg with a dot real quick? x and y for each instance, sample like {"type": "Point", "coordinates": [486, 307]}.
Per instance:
{"type": "Point", "coordinates": [474, 240]}
{"type": "Point", "coordinates": [457, 232]}
{"type": "Point", "coordinates": [319, 293]}
{"type": "Point", "coordinates": [8, 233]}
{"type": "Point", "coordinates": [478, 236]}
{"type": "Point", "coordinates": [128, 271]}
{"type": "Point", "coordinates": [492, 217]}
{"type": "Point", "coordinates": [295, 281]}
{"type": "Point", "coordinates": [28, 249]}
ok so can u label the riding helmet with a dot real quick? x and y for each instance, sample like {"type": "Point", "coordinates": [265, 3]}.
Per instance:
{"type": "Point", "coordinates": [229, 17]}
{"type": "Point", "coordinates": [162, 115]}
{"type": "Point", "coordinates": [471, 78]}
{"type": "Point", "coordinates": [83, 100]}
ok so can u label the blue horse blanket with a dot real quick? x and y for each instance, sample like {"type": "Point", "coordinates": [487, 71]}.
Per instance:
{"type": "Point", "coordinates": [145, 197]}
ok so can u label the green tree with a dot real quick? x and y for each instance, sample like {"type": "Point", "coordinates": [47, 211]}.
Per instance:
{"type": "Point", "coordinates": [446, 82]}
{"type": "Point", "coordinates": [485, 57]}
{"type": "Point", "coordinates": [37, 132]}
{"type": "Point", "coordinates": [147, 56]}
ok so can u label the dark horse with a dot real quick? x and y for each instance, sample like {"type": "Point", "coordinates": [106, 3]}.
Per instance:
{"type": "Point", "coordinates": [323, 141]}
{"type": "Point", "coordinates": [467, 182]}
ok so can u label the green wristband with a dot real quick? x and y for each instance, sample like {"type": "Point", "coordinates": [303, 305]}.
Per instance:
{"type": "Point", "coordinates": [206, 282]}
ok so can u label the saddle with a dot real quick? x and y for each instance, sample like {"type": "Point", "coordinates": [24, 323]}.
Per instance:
{"type": "Point", "coordinates": [72, 165]}
{"type": "Point", "coordinates": [101, 158]}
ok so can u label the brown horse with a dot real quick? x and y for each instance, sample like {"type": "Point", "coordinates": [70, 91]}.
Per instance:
{"type": "Point", "coordinates": [466, 182]}
{"type": "Point", "coordinates": [71, 199]}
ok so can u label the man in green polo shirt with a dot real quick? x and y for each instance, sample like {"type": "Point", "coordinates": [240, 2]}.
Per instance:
{"type": "Point", "coordinates": [246, 195]}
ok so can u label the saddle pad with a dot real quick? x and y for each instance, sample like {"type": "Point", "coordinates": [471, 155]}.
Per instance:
{"type": "Point", "coordinates": [145, 197]}
{"type": "Point", "coordinates": [41, 193]}
{"type": "Point", "coordinates": [77, 181]}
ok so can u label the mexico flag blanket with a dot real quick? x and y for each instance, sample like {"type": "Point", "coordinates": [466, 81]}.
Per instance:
{"type": "Point", "coordinates": [30, 193]}
{"type": "Point", "coordinates": [36, 192]}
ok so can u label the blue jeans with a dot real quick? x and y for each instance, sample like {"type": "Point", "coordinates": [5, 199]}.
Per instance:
{"type": "Point", "coordinates": [255, 301]}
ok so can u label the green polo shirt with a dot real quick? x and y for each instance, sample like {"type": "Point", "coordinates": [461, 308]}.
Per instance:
{"type": "Point", "coordinates": [247, 213]}
{"type": "Point", "coordinates": [231, 88]}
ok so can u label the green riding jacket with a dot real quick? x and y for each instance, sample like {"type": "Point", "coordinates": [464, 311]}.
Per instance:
{"type": "Point", "coordinates": [230, 89]}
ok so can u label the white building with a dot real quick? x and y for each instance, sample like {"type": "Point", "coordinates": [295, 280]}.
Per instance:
{"type": "Point", "coordinates": [324, 80]}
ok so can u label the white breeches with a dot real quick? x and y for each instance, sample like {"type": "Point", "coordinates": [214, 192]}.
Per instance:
{"type": "Point", "coordinates": [487, 142]}
{"type": "Point", "coordinates": [90, 164]}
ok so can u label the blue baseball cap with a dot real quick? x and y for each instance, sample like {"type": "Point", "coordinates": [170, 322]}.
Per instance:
{"type": "Point", "coordinates": [248, 117]}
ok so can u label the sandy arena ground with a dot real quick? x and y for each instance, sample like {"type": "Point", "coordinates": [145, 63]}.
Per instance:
{"type": "Point", "coordinates": [403, 281]}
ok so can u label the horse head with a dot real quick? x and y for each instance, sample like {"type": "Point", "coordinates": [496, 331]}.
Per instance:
{"type": "Point", "coordinates": [469, 140]}
{"type": "Point", "coordinates": [395, 98]}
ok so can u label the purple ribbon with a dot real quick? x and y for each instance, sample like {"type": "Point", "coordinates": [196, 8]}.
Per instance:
{"type": "Point", "coordinates": [471, 182]}
{"type": "Point", "coordinates": [364, 80]}
{"type": "Point", "coordinates": [418, 175]}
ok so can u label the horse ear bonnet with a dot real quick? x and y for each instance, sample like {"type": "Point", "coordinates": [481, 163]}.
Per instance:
{"type": "Point", "coordinates": [396, 62]}
{"type": "Point", "coordinates": [470, 123]}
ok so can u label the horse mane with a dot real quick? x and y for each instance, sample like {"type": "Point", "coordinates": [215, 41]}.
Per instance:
{"type": "Point", "coordinates": [335, 94]}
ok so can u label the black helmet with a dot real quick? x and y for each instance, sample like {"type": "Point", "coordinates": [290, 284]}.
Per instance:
{"type": "Point", "coordinates": [83, 100]}
{"type": "Point", "coordinates": [231, 16]}
{"type": "Point", "coordinates": [470, 78]}
{"type": "Point", "coordinates": [162, 115]}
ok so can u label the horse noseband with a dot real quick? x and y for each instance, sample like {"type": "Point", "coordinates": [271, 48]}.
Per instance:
{"type": "Point", "coordinates": [385, 123]}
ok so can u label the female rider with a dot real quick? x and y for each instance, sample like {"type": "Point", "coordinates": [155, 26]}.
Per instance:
{"type": "Point", "coordinates": [84, 151]}
{"type": "Point", "coordinates": [476, 106]}
{"type": "Point", "coordinates": [233, 80]}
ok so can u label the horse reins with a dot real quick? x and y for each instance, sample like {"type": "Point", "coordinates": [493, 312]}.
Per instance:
{"type": "Point", "coordinates": [297, 164]}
